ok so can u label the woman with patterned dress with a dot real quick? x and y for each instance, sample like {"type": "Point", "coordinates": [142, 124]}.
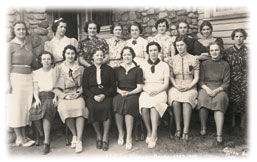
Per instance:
{"type": "Point", "coordinates": [68, 89]}
{"type": "Point", "coordinates": [165, 41]}
{"type": "Point", "coordinates": [98, 89]}
{"type": "Point", "coordinates": [182, 96]}
{"type": "Point", "coordinates": [116, 44]}
{"type": "Point", "coordinates": [194, 47]}
{"type": "Point", "coordinates": [214, 82]}
{"type": "Point", "coordinates": [129, 79]}
{"type": "Point", "coordinates": [207, 38]}
{"type": "Point", "coordinates": [59, 41]}
{"type": "Point", "coordinates": [237, 56]}
{"type": "Point", "coordinates": [152, 101]}
{"type": "Point", "coordinates": [43, 110]}
{"type": "Point", "coordinates": [20, 80]}
{"type": "Point", "coordinates": [90, 44]}
{"type": "Point", "coordinates": [137, 43]}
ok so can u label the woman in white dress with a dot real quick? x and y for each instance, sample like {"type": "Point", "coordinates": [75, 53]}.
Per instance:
{"type": "Point", "coordinates": [59, 41]}
{"type": "Point", "coordinates": [183, 93]}
{"type": "Point", "coordinates": [137, 43]}
{"type": "Point", "coordinates": [152, 101]}
{"type": "Point", "coordinates": [164, 40]}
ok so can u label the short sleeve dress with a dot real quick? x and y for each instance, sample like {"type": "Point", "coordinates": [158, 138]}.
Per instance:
{"type": "Point", "coordinates": [237, 60]}
{"type": "Point", "coordinates": [45, 83]}
{"type": "Point", "coordinates": [87, 47]}
{"type": "Point", "coordinates": [56, 46]}
{"type": "Point", "coordinates": [115, 48]}
{"type": "Point", "coordinates": [153, 81]}
{"type": "Point", "coordinates": [139, 46]}
{"type": "Point", "coordinates": [66, 83]}
{"type": "Point", "coordinates": [99, 111]}
{"type": "Point", "coordinates": [127, 80]}
{"type": "Point", "coordinates": [214, 74]}
{"type": "Point", "coordinates": [166, 43]}
{"type": "Point", "coordinates": [183, 68]}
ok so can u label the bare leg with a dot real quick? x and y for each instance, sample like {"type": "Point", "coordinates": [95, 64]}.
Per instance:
{"type": "Point", "coordinates": [107, 124]}
{"type": "Point", "coordinates": [129, 120]}
{"type": "Point", "coordinates": [119, 123]}
{"type": "Point", "coordinates": [177, 114]}
{"type": "Point", "coordinates": [203, 114]}
{"type": "Point", "coordinates": [187, 111]}
{"type": "Point", "coordinates": [154, 120]}
{"type": "Point", "coordinates": [70, 122]}
{"type": "Point", "coordinates": [146, 118]}
{"type": "Point", "coordinates": [47, 129]}
{"type": "Point", "coordinates": [97, 130]}
{"type": "Point", "coordinates": [80, 127]}
{"type": "Point", "coordinates": [18, 133]}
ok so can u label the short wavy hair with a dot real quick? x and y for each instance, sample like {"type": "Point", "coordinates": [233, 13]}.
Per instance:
{"type": "Point", "coordinates": [69, 47]}
{"type": "Point", "coordinates": [13, 26]}
{"type": "Point", "coordinates": [239, 30]}
{"type": "Point", "coordinates": [131, 51]}
{"type": "Point", "coordinates": [182, 38]}
{"type": "Point", "coordinates": [136, 24]}
{"type": "Point", "coordinates": [183, 21]}
{"type": "Point", "coordinates": [45, 53]}
{"type": "Point", "coordinates": [98, 27]}
{"type": "Point", "coordinates": [115, 25]}
{"type": "Point", "coordinates": [56, 23]}
{"type": "Point", "coordinates": [153, 43]}
{"type": "Point", "coordinates": [162, 21]}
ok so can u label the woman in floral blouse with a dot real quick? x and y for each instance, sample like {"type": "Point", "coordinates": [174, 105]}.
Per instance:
{"type": "Point", "coordinates": [87, 46]}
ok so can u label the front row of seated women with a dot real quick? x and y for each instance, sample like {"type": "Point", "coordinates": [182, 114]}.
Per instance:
{"type": "Point", "coordinates": [129, 91]}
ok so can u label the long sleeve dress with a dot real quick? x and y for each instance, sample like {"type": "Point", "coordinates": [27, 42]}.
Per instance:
{"type": "Point", "coordinates": [214, 74]}
{"type": "Point", "coordinates": [68, 81]}
{"type": "Point", "coordinates": [99, 111]}
{"type": "Point", "coordinates": [237, 59]}
{"type": "Point", "coordinates": [127, 80]}
{"type": "Point", "coordinates": [183, 68]}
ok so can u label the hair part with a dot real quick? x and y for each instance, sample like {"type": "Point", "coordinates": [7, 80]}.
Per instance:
{"type": "Point", "coordinates": [98, 27]}
{"type": "Point", "coordinates": [206, 23]}
{"type": "Point", "coordinates": [162, 21]}
{"type": "Point", "coordinates": [136, 24]}
{"type": "Point", "coordinates": [69, 47]}
{"type": "Point", "coordinates": [153, 43]}
{"type": "Point", "coordinates": [239, 30]}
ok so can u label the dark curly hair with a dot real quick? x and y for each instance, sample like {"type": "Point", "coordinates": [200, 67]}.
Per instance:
{"type": "Point", "coordinates": [18, 22]}
{"type": "Point", "coordinates": [136, 24]}
{"type": "Point", "coordinates": [153, 44]}
{"type": "Point", "coordinates": [98, 27]}
{"type": "Point", "coordinates": [131, 51]}
{"type": "Point", "coordinates": [72, 48]}
{"type": "Point", "coordinates": [206, 23]}
{"type": "Point", "coordinates": [115, 25]}
{"type": "Point", "coordinates": [239, 30]}
{"type": "Point", "coordinates": [56, 23]}
{"type": "Point", "coordinates": [162, 21]}
{"type": "Point", "coordinates": [45, 53]}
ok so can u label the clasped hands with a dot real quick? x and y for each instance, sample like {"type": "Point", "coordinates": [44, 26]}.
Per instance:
{"type": "Point", "coordinates": [212, 93]}
{"type": "Point", "coordinates": [183, 88]}
{"type": "Point", "coordinates": [72, 96]}
{"type": "Point", "coordinates": [99, 98]}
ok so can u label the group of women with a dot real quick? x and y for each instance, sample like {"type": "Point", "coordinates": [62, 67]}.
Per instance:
{"type": "Point", "coordinates": [96, 78]}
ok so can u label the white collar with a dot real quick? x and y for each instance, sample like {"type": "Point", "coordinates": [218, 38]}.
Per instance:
{"type": "Point", "coordinates": [130, 67]}
{"type": "Point", "coordinates": [19, 42]}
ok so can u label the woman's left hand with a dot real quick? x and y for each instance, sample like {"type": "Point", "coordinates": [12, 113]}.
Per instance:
{"type": "Point", "coordinates": [153, 93]}
{"type": "Point", "coordinates": [215, 92]}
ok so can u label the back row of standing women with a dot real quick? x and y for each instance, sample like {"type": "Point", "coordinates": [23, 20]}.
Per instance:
{"type": "Point", "coordinates": [140, 65]}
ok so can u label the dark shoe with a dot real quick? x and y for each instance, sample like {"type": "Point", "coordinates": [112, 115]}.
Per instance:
{"type": "Point", "coordinates": [105, 146]}
{"type": "Point", "coordinates": [99, 144]}
{"type": "Point", "coordinates": [177, 135]}
{"type": "Point", "coordinates": [142, 136]}
{"type": "Point", "coordinates": [46, 148]}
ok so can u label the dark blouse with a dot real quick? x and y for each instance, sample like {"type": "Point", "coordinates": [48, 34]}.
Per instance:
{"type": "Point", "coordinates": [129, 81]}
{"type": "Point", "coordinates": [218, 40]}
{"type": "Point", "coordinates": [215, 74]}
{"type": "Point", "coordinates": [87, 47]}
{"type": "Point", "coordinates": [90, 86]}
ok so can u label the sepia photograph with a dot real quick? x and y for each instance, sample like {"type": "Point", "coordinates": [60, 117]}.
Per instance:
{"type": "Point", "coordinates": [97, 81]}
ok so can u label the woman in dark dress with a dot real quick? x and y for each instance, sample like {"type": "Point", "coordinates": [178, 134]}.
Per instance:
{"type": "Point", "coordinates": [214, 82]}
{"type": "Point", "coordinates": [194, 47]}
{"type": "Point", "coordinates": [129, 78]}
{"type": "Point", "coordinates": [98, 90]}
{"type": "Point", "coordinates": [236, 56]}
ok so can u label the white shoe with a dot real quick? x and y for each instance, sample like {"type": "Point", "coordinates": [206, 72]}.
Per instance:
{"type": "Point", "coordinates": [147, 139]}
{"type": "Point", "coordinates": [79, 147]}
{"type": "Point", "coordinates": [74, 142]}
{"type": "Point", "coordinates": [152, 144]}
{"type": "Point", "coordinates": [121, 140]}
{"type": "Point", "coordinates": [24, 142]}
{"type": "Point", "coordinates": [128, 144]}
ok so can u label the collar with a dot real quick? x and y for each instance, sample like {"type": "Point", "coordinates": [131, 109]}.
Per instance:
{"type": "Point", "coordinates": [238, 49]}
{"type": "Point", "coordinates": [130, 67]}
{"type": "Point", "coordinates": [66, 69]}
{"type": "Point", "coordinates": [17, 41]}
